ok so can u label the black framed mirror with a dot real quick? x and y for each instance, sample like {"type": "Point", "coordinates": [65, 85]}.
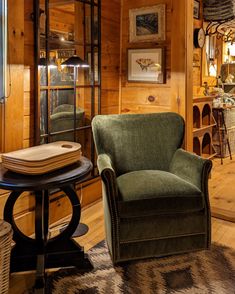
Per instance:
{"type": "Point", "coordinates": [3, 68]}
{"type": "Point", "coordinates": [3, 45]}
{"type": "Point", "coordinates": [67, 77]}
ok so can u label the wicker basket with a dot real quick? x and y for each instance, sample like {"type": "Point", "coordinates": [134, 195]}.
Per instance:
{"type": "Point", "coordinates": [5, 250]}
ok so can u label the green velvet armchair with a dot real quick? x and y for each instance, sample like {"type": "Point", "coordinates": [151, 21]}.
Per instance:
{"type": "Point", "coordinates": [155, 194]}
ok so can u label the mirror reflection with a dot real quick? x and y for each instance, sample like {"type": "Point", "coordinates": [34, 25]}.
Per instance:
{"type": "Point", "coordinates": [68, 91]}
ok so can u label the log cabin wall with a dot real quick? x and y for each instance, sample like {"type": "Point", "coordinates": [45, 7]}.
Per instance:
{"type": "Point", "coordinates": [176, 94]}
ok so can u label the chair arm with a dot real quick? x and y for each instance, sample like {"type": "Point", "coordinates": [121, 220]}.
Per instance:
{"type": "Point", "coordinates": [110, 201]}
{"type": "Point", "coordinates": [104, 162]}
{"type": "Point", "coordinates": [191, 168]}
{"type": "Point", "coordinates": [108, 175]}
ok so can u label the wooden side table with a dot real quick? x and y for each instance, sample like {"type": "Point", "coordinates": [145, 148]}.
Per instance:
{"type": "Point", "coordinates": [41, 252]}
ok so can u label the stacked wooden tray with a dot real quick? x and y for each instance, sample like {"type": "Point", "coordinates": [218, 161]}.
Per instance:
{"type": "Point", "coordinates": [43, 158]}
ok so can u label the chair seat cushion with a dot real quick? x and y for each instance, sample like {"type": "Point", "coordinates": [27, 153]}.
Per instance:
{"type": "Point", "coordinates": [150, 192]}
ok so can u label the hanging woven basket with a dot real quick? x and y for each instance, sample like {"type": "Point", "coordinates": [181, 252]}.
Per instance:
{"type": "Point", "coordinates": [5, 251]}
{"type": "Point", "coordinates": [218, 10]}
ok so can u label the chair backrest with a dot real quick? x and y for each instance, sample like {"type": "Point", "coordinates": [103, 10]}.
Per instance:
{"type": "Point", "coordinates": [138, 141]}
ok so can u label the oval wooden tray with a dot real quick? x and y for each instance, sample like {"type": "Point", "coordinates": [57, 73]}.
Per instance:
{"type": "Point", "coordinates": [42, 159]}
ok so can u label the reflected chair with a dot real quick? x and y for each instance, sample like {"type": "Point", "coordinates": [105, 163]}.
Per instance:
{"type": "Point", "coordinates": [155, 194]}
{"type": "Point", "coordinates": [62, 119]}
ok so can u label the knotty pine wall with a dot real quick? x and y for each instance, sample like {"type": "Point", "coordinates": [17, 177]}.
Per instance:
{"type": "Point", "coordinates": [135, 95]}
{"type": "Point", "coordinates": [110, 50]}
{"type": "Point", "coordinates": [130, 97]}
{"type": "Point", "coordinates": [29, 102]}
{"type": "Point", "coordinates": [20, 106]}
{"type": "Point", "coordinates": [176, 94]}
{"type": "Point", "coordinates": [117, 95]}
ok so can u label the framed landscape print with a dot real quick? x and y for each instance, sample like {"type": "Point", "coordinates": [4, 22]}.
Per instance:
{"type": "Point", "coordinates": [147, 24]}
{"type": "Point", "coordinates": [146, 65]}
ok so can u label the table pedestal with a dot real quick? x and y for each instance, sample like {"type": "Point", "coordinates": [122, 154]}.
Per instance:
{"type": "Point", "coordinates": [42, 253]}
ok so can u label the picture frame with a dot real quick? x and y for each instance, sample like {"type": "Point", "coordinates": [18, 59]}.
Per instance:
{"type": "Point", "coordinates": [146, 65]}
{"type": "Point", "coordinates": [147, 24]}
{"type": "Point", "coordinates": [196, 9]}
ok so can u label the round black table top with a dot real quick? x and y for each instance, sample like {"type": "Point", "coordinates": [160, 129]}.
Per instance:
{"type": "Point", "coordinates": [70, 174]}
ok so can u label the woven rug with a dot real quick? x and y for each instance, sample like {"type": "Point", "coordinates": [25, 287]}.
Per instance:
{"type": "Point", "coordinates": [205, 272]}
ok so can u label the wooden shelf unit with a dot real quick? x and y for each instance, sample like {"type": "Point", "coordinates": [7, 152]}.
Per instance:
{"type": "Point", "coordinates": [203, 122]}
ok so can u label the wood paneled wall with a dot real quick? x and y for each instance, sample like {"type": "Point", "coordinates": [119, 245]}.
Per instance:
{"type": "Point", "coordinates": [176, 94]}
{"type": "Point", "coordinates": [14, 105]}
{"type": "Point", "coordinates": [135, 95]}
{"type": "Point", "coordinates": [1, 127]}
{"type": "Point", "coordinates": [110, 50]}
{"type": "Point", "coordinates": [20, 106]}
{"type": "Point", "coordinates": [29, 101]}
{"type": "Point", "coordinates": [130, 97]}
{"type": "Point", "coordinates": [117, 95]}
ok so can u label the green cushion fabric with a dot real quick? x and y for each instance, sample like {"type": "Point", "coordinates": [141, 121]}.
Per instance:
{"type": "Point", "coordinates": [148, 192]}
{"type": "Point", "coordinates": [162, 226]}
{"type": "Point", "coordinates": [163, 247]}
{"type": "Point", "coordinates": [138, 141]}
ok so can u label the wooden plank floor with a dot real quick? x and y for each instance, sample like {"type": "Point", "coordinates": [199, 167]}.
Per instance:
{"type": "Point", "coordinates": [222, 231]}
{"type": "Point", "coordinates": [222, 189]}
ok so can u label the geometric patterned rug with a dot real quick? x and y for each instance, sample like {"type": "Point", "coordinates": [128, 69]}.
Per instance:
{"type": "Point", "coordinates": [202, 272]}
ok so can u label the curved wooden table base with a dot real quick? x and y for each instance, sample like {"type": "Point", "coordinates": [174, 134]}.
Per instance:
{"type": "Point", "coordinates": [41, 253]}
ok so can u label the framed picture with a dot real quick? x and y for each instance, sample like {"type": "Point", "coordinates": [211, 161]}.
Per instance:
{"type": "Point", "coordinates": [196, 9]}
{"type": "Point", "coordinates": [146, 65]}
{"type": "Point", "coordinates": [147, 24]}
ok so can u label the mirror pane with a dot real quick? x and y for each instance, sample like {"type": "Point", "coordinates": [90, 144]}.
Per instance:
{"type": "Point", "coordinates": [68, 92]}
{"type": "Point", "coordinates": [43, 110]}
